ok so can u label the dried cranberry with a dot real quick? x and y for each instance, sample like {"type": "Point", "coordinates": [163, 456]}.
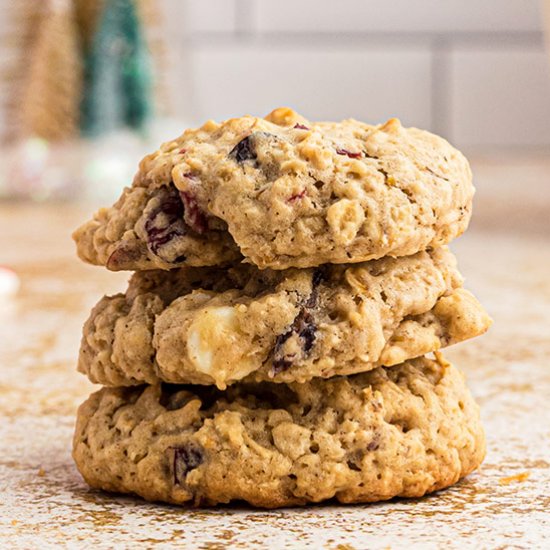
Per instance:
{"type": "Point", "coordinates": [307, 332]}
{"type": "Point", "coordinates": [319, 275]}
{"type": "Point", "coordinates": [166, 221]}
{"type": "Point", "coordinates": [300, 127]}
{"type": "Point", "coordinates": [182, 151]}
{"type": "Point", "coordinates": [244, 150]}
{"type": "Point", "coordinates": [193, 215]}
{"type": "Point", "coordinates": [297, 196]}
{"type": "Point", "coordinates": [374, 444]}
{"type": "Point", "coordinates": [350, 154]}
{"type": "Point", "coordinates": [304, 328]}
{"type": "Point", "coordinates": [123, 257]}
{"type": "Point", "coordinates": [176, 214]}
{"type": "Point", "coordinates": [186, 459]}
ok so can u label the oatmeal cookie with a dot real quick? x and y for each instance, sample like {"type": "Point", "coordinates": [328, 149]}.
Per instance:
{"type": "Point", "coordinates": [403, 431]}
{"type": "Point", "coordinates": [284, 192]}
{"type": "Point", "coordinates": [218, 326]}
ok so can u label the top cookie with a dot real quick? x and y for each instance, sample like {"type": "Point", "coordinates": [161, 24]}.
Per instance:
{"type": "Point", "coordinates": [284, 192]}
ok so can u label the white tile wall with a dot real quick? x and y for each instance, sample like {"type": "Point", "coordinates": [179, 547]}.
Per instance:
{"type": "Point", "coordinates": [500, 96]}
{"type": "Point", "coordinates": [397, 15]}
{"type": "Point", "coordinates": [473, 70]}
{"type": "Point", "coordinates": [322, 82]}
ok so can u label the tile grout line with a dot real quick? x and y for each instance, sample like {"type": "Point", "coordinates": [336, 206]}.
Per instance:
{"type": "Point", "coordinates": [245, 29]}
{"type": "Point", "coordinates": [244, 13]}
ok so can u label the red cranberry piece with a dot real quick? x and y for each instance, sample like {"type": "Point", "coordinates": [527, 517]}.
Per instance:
{"type": "Point", "coordinates": [123, 257]}
{"type": "Point", "coordinates": [193, 215]}
{"type": "Point", "coordinates": [304, 328]}
{"type": "Point", "coordinates": [297, 196]}
{"type": "Point", "coordinates": [300, 127]}
{"type": "Point", "coordinates": [166, 221]}
{"type": "Point", "coordinates": [350, 154]}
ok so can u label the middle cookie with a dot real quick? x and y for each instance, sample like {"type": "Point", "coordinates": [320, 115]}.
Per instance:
{"type": "Point", "coordinates": [218, 326]}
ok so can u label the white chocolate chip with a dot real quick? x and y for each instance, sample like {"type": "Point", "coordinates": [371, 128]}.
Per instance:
{"type": "Point", "coordinates": [205, 333]}
{"type": "Point", "coordinates": [217, 347]}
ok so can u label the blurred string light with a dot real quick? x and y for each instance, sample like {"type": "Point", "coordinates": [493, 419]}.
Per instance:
{"type": "Point", "coordinates": [9, 283]}
{"type": "Point", "coordinates": [95, 170]}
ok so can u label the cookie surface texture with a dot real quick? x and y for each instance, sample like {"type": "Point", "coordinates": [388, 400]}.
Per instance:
{"type": "Point", "coordinates": [219, 326]}
{"type": "Point", "coordinates": [404, 431]}
{"type": "Point", "coordinates": [284, 192]}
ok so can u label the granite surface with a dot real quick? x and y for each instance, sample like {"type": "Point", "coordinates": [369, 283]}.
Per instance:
{"type": "Point", "coordinates": [44, 502]}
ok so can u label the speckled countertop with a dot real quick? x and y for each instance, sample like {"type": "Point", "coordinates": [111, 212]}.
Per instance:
{"type": "Point", "coordinates": [44, 503]}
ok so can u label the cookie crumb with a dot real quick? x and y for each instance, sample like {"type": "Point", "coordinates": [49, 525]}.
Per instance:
{"type": "Point", "coordinates": [512, 479]}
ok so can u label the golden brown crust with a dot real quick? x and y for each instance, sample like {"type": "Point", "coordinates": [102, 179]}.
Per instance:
{"type": "Point", "coordinates": [401, 431]}
{"type": "Point", "coordinates": [285, 192]}
{"type": "Point", "coordinates": [216, 326]}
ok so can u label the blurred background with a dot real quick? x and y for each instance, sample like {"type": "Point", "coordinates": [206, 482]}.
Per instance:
{"type": "Point", "coordinates": [88, 87]}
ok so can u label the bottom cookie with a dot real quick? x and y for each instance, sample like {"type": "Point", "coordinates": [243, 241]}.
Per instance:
{"type": "Point", "coordinates": [403, 431]}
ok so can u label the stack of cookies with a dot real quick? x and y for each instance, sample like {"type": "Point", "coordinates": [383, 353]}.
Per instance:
{"type": "Point", "coordinates": [289, 279]}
